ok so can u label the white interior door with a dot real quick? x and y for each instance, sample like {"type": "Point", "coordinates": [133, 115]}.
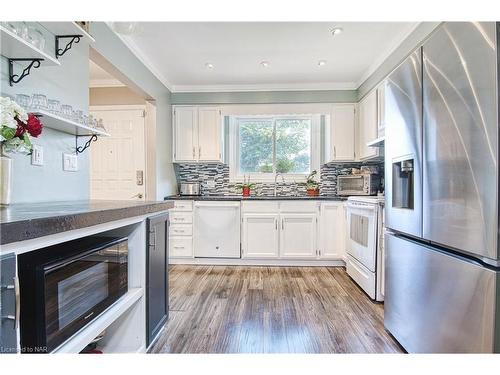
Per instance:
{"type": "Point", "coordinates": [298, 236]}
{"type": "Point", "coordinates": [260, 235]}
{"type": "Point", "coordinates": [209, 134]}
{"type": "Point", "coordinates": [118, 162]}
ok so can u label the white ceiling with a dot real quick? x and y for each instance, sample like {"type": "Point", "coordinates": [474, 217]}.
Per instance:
{"type": "Point", "coordinates": [177, 52]}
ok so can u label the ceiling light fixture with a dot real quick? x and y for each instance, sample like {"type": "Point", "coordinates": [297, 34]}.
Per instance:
{"type": "Point", "coordinates": [209, 65]}
{"type": "Point", "coordinates": [321, 62]}
{"type": "Point", "coordinates": [264, 64]}
{"type": "Point", "coordinates": [337, 30]}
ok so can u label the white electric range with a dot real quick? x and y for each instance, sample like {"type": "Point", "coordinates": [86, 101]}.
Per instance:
{"type": "Point", "coordinates": [365, 244]}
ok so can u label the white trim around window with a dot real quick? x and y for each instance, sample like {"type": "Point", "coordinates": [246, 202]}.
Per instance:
{"type": "Point", "coordinates": [315, 147]}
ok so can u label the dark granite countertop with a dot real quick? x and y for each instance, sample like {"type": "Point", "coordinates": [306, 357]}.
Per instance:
{"type": "Point", "coordinates": [255, 198]}
{"type": "Point", "coordinates": [26, 221]}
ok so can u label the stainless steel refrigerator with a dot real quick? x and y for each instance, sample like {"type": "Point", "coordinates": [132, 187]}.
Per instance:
{"type": "Point", "coordinates": [442, 203]}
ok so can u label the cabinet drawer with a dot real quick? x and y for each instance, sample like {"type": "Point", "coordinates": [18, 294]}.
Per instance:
{"type": "Point", "coordinates": [181, 247]}
{"type": "Point", "coordinates": [181, 230]}
{"type": "Point", "coordinates": [299, 207]}
{"type": "Point", "coordinates": [270, 207]}
{"type": "Point", "coordinates": [180, 217]}
{"type": "Point", "coordinates": [182, 205]}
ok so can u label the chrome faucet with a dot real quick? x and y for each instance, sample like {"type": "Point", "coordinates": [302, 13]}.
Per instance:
{"type": "Point", "coordinates": [276, 181]}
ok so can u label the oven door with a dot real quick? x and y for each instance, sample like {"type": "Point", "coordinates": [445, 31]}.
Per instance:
{"type": "Point", "coordinates": [77, 290]}
{"type": "Point", "coordinates": [362, 233]}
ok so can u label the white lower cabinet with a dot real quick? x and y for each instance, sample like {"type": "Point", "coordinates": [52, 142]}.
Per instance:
{"type": "Point", "coordinates": [331, 231]}
{"type": "Point", "coordinates": [298, 235]}
{"type": "Point", "coordinates": [181, 247]}
{"type": "Point", "coordinates": [260, 235]}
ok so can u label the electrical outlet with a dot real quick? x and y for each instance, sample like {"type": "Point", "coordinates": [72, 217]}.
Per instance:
{"type": "Point", "coordinates": [37, 155]}
{"type": "Point", "coordinates": [211, 184]}
{"type": "Point", "coordinates": [70, 163]}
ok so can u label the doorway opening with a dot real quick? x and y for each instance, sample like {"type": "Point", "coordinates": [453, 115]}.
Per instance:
{"type": "Point", "coordinates": [123, 165]}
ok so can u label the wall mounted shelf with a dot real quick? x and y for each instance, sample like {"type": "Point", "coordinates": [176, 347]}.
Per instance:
{"type": "Point", "coordinates": [15, 47]}
{"type": "Point", "coordinates": [52, 121]}
{"type": "Point", "coordinates": [67, 28]}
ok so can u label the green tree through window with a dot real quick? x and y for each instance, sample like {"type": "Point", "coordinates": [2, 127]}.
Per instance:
{"type": "Point", "coordinates": [274, 144]}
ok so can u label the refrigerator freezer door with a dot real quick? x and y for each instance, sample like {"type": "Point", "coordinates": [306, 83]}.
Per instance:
{"type": "Point", "coordinates": [438, 303]}
{"type": "Point", "coordinates": [460, 183]}
{"type": "Point", "coordinates": [403, 147]}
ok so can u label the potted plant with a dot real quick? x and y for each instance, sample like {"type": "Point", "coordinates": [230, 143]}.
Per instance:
{"type": "Point", "coordinates": [16, 128]}
{"type": "Point", "coordinates": [312, 186]}
{"type": "Point", "coordinates": [246, 186]}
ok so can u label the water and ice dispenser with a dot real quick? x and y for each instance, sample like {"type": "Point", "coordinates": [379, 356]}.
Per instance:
{"type": "Point", "coordinates": [403, 184]}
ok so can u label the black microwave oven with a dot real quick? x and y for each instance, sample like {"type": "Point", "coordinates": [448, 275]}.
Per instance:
{"type": "Point", "coordinates": [65, 286]}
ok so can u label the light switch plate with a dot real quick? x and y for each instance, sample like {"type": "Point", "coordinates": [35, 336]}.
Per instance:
{"type": "Point", "coordinates": [37, 155]}
{"type": "Point", "coordinates": [211, 184]}
{"type": "Point", "coordinates": [70, 163]}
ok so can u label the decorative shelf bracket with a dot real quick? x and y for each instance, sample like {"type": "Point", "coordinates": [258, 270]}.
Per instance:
{"type": "Point", "coordinates": [62, 51]}
{"type": "Point", "coordinates": [16, 78]}
{"type": "Point", "coordinates": [80, 149]}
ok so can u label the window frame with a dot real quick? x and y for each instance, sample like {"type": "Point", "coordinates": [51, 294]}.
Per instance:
{"type": "Point", "coordinates": [234, 148]}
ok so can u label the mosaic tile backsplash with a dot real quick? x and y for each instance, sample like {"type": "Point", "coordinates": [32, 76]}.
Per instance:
{"type": "Point", "coordinates": [214, 179]}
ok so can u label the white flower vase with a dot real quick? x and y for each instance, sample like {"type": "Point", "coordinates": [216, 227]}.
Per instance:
{"type": "Point", "coordinates": [6, 179]}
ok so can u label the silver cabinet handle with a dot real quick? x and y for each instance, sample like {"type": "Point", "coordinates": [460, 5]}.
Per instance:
{"type": "Point", "coordinates": [18, 302]}
{"type": "Point", "coordinates": [178, 247]}
{"type": "Point", "coordinates": [334, 152]}
{"type": "Point", "coordinates": [282, 224]}
{"type": "Point", "coordinates": [199, 152]}
{"type": "Point", "coordinates": [194, 152]}
{"type": "Point", "coordinates": [276, 223]}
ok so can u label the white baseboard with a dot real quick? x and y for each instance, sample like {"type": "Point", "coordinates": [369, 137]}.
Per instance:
{"type": "Point", "coordinates": [258, 262]}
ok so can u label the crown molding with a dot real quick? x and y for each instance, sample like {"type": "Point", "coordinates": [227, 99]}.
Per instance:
{"type": "Point", "coordinates": [381, 59]}
{"type": "Point", "coordinates": [326, 86]}
{"type": "Point", "coordinates": [143, 59]}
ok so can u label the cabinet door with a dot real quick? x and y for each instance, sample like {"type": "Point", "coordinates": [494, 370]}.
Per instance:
{"type": "Point", "coordinates": [185, 133]}
{"type": "Point", "coordinates": [331, 231]}
{"type": "Point", "coordinates": [381, 110]}
{"type": "Point", "coordinates": [209, 134]}
{"type": "Point", "coordinates": [8, 308]}
{"type": "Point", "coordinates": [342, 133]}
{"type": "Point", "coordinates": [260, 235]}
{"type": "Point", "coordinates": [368, 126]}
{"type": "Point", "coordinates": [298, 236]}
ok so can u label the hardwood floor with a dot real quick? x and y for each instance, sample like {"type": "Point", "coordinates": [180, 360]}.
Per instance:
{"type": "Point", "coordinates": [236, 309]}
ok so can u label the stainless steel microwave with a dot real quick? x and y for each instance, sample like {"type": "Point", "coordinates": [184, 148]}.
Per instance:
{"type": "Point", "coordinates": [358, 184]}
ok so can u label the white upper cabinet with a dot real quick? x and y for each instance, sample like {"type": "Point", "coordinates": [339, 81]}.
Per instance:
{"type": "Point", "coordinates": [197, 134]}
{"type": "Point", "coordinates": [343, 125]}
{"type": "Point", "coordinates": [368, 127]}
{"type": "Point", "coordinates": [298, 235]}
{"type": "Point", "coordinates": [381, 109]}
{"type": "Point", "coordinates": [185, 133]}
{"type": "Point", "coordinates": [209, 134]}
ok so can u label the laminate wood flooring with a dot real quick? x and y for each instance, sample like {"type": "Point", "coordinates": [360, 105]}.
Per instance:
{"type": "Point", "coordinates": [240, 309]}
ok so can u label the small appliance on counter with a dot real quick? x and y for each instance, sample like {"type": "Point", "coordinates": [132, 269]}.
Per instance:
{"type": "Point", "coordinates": [189, 188]}
{"type": "Point", "coordinates": [358, 184]}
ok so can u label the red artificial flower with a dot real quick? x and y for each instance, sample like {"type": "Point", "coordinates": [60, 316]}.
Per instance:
{"type": "Point", "coordinates": [20, 129]}
{"type": "Point", "coordinates": [33, 125]}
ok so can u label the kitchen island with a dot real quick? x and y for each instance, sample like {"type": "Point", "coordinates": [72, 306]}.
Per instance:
{"type": "Point", "coordinates": [30, 232]}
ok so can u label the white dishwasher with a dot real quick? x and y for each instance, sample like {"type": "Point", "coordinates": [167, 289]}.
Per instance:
{"type": "Point", "coordinates": [217, 229]}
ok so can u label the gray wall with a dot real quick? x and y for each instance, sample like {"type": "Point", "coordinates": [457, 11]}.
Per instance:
{"type": "Point", "coordinates": [265, 97]}
{"type": "Point", "coordinates": [413, 41]}
{"type": "Point", "coordinates": [69, 84]}
{"type": "Point", "coordinates": [109, 50]}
